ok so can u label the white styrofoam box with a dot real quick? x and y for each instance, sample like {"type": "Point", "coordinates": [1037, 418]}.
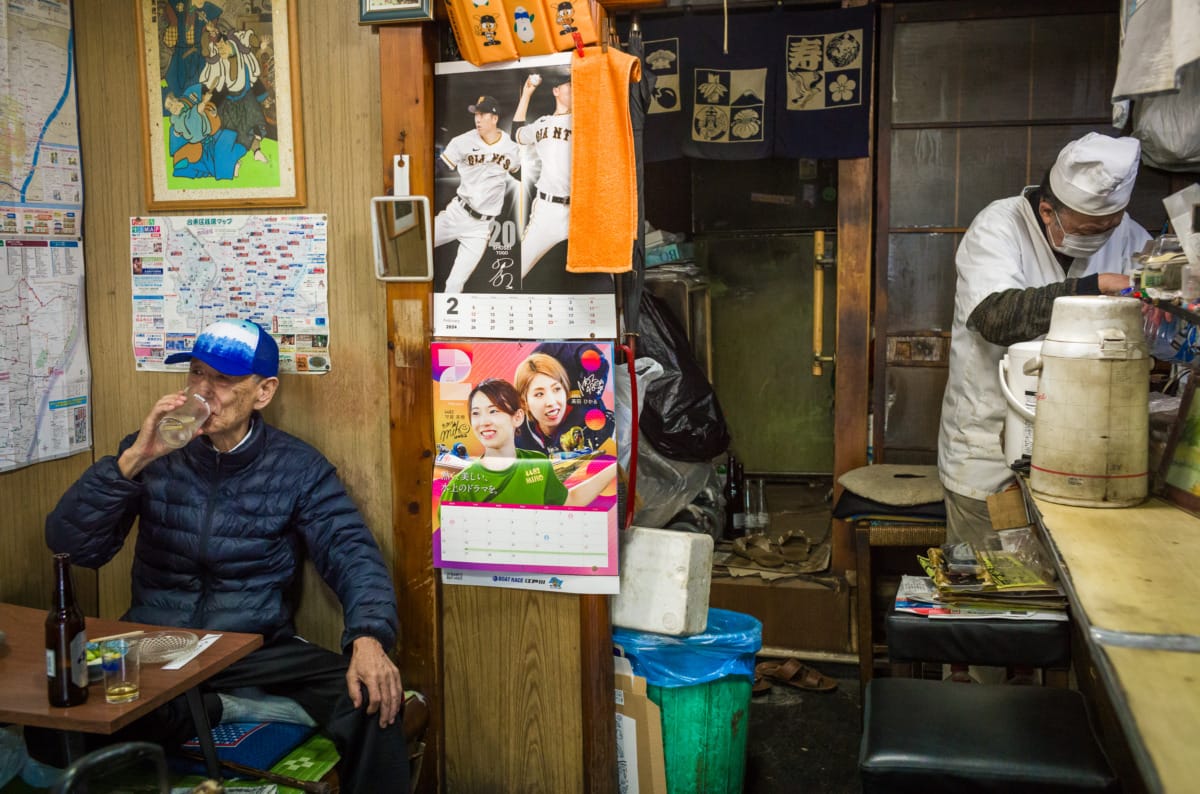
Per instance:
{"type": "Point", "coordinates": [665, 576]}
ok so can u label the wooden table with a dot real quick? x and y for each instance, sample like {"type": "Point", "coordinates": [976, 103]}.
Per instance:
{"type": "Point", "coordinates": [23, 698]}
{"type": "Point", "coordinates": [1131, 576]}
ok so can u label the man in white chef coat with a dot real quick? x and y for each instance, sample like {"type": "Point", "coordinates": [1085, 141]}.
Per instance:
{"type": "Point", "coordinates": [1068, 236]}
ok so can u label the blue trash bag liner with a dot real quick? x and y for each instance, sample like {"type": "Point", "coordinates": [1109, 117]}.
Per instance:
{"type": "Point", "coordinates": [727, 647]}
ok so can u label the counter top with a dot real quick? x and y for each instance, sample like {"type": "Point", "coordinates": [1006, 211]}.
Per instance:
{"type": "Point", "coordinates": [1135, 569]}
{"type": "Point", "coordinates": [1133, 577]}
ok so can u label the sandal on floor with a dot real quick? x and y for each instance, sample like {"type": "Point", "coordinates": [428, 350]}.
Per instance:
{"type": "Point", "coordinates": [795, 552]}
{"type": "Point", "coordinates": [761, 685]}
{"type": "Point", "coordinates": [758, 549]}
{"type": "Point", "coordinates": [796, 673]}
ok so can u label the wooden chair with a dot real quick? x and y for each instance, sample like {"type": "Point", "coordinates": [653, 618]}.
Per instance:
{"type": "Point", "coordinates": [415, 721]}
{"type": "Point", "coordinates": [869, 536]}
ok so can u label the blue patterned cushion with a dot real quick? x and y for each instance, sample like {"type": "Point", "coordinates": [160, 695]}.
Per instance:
{"type": "Point", "coordinates": [256, 744]}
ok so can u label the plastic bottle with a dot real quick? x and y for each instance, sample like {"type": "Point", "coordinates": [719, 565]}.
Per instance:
{"type": "Point", "coordinates": [1190, 283]}
{"type": "Point", "coordinates": [66, 641]}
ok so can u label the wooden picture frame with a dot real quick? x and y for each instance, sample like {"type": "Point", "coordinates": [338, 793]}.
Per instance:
{"type": "Point", "coordinates": [380, 12]}
{"type": "Point", "coordinates": [220, 96]}
{"type": "Point", "coordinates": [1179, 474]}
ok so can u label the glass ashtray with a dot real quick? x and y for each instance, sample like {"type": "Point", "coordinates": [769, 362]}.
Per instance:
{"type": "Point", "coordinates": [164, 646]}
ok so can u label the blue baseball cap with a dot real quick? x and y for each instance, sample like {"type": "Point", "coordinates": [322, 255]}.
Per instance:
{"type": "Point", "coordinates": [234, 347]}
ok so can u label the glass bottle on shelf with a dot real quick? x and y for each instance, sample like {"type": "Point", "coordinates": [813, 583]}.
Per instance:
{"type": "Point", "coordinates": [733, 499]}
{"type": "Point", "coordinates": [752, 525]}
{"type": "Point", "coordinates": [762, 518]}
{"type": "Point", "coordinates": [739, 506]}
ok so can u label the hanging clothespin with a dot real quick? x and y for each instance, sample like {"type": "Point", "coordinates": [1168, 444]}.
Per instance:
{"type": "Point", "coordinates": [606, 32]}
{"type": "Point", "coordinates": [578, 42]}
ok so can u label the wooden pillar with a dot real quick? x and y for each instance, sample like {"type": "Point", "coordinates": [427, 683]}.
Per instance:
{"type": "Point", "coordinates": [406, 55]}
{"type": "Point", "coordinates": [852, 375]}
{"type": "Point", "coordinates": [521, 681]}
{"type": "Point", "coordinates": [852, 351]}
{"type": "Point", "coordinates": [598, 713]}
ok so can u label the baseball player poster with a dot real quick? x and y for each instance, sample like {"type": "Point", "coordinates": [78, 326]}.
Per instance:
{"type": "Point", "coordinates": [525, 473]}
{"type": "Point", "coordinates": [502, 201]}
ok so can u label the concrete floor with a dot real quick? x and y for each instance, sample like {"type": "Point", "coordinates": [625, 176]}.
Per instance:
{"type": "Point", "coordinates": [799, 741]}
{"type": "Point", "coordinates": [803, 741]}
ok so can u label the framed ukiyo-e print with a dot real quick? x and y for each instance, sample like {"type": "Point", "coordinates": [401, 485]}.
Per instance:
{"type": "Point", "coordinates": [377, 12]}
{"type": "Point", "coordinates": [220, 104]}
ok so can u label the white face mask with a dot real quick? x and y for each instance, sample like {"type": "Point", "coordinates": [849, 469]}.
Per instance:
{"type": "Point", "coordinates": [1080, 246]}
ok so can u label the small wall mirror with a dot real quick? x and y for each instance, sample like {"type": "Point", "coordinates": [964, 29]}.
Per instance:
{"type": "Point", "coordinates": [403, 233]}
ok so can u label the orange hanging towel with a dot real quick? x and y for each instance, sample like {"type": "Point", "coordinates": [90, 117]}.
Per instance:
{"type": "Point", "coordinates": [603, 174]}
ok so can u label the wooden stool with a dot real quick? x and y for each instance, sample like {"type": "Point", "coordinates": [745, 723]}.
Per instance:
{"type": "Point", "coordinates": [868, 536]}
{"type": "Point", "coordinates": [929, 737]}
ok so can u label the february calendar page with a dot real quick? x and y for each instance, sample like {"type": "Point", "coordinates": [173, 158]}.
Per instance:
{"type": "Point", "coordinates": [525, 472]}
{"type": "Point", "coordinates": [502, 196]}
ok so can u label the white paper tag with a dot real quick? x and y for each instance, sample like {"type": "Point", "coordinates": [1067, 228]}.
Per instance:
{"type": "Point", "coordinates": [627, 757]}
{"type": "Point", "coordinates": [205, 641]}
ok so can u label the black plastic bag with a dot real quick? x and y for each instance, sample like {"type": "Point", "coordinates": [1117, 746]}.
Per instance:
{"type": "Point", "coordinates": [681, 416]}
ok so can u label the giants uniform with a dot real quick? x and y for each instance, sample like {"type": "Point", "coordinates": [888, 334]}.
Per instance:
{"type": "Point", "coordinates": [550, 214]}
{"type": "Point", "coordinates": [483, 171]}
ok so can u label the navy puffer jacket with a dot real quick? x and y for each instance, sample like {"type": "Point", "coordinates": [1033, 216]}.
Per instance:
{"type": "Point", "coordinates": [222, 536]}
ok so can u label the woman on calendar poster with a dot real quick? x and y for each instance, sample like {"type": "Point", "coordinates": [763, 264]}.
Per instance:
{"type": "Point", "coordinates": [480, 115]}
{"type": "Point", "coordinates": [561, 386]}
{"type": "Point", "coordinates": [469, 430]}
{"type": "Point", "coordinates": [478, 415]}
{"type": "Point", "coordinates": [507, 475]}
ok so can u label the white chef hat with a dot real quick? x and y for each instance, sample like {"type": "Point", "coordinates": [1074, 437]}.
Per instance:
{"type": "Point", "coordinates": [1095, 174]}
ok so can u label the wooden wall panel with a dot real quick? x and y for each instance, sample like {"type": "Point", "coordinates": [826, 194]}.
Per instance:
{"type": "Point", "coordinates": [343, 413]}
{"type": "Point", "coordinates": [26, 495]}
{"type": "Point", "coordinates": [512, 691]}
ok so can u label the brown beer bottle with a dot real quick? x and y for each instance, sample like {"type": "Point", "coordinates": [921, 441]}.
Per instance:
{"type": "Point", "coordinates": [66, 641]}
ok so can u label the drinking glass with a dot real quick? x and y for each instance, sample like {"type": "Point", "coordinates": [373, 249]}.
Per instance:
{"type": "Point", "coordinates": [121, 665]}
{"type": "Point", "coordinates": [179, 427]}
{"type": "Point", "coordinates": [761, 517]}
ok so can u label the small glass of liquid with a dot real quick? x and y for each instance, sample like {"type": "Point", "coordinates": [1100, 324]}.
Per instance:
{"type": "Point", "coordinates": [119, 659]}
{"type": "Point", "coordinates": [180, 426]}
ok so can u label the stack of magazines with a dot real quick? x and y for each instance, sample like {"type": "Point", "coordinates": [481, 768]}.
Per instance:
{"type": "Point", "coordinates": [963, 582]}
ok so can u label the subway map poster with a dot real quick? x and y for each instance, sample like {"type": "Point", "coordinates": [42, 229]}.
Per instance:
{"type": "Point", "coordinates": [45, 374]}
{"type": "Point", "coordinates": [192, 270]}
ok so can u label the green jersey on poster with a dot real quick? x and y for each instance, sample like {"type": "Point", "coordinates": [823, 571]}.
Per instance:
{"type": "Point", "coordinates": [529, 480]}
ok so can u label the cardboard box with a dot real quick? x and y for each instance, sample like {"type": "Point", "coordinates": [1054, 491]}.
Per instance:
{"type": "Point", "coordinates": [796, 614]}
{"type": "Point", "coordinates": [641, 764]}
{"type": "Point", "coordinates": [1007, 509]}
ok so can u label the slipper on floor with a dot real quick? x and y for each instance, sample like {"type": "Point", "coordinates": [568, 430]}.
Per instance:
{"type": "Point", "coordinates": [795, 552]}
{"type": "Point", "coordinates": [796, 673]}
{"type": "Point", "coordinates": [758, 550]}
{"type": "Point", "coordinates": [761, 685]}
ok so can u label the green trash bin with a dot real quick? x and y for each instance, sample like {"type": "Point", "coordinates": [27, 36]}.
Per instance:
{"type": "Point", "coordinates": [702, 686]}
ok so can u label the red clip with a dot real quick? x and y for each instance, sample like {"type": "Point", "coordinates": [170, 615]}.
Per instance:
{"type": "Point", "coordinates": [578, 42]}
